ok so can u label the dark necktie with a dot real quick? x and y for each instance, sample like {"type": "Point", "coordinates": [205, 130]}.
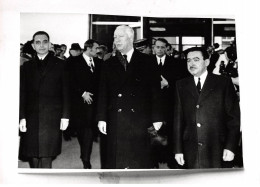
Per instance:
{"type": "Point", "coordinates": [160, 66]}
{"type": "Point", "coordinates": [91, 65]}
{"type": "Point", "coordinates": [199, 86]}
{"type": "Point", "coordinates": [125, 61]}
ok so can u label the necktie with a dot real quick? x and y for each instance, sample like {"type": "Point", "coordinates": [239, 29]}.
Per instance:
{"type": "Point", "coordinates": [160, 66]}
{"type": "Point", "coordinates": [91, 65]}
{"type": "Point", "coordinates": [125, 61]}
{"type": "Point", "coordinates": [199, 86]}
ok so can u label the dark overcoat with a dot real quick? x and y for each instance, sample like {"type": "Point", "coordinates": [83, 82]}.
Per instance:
{"type": "Point", "coordinates": [83, 79]}
{"type": "Point", "coordinates": [206, 124]}
{"type": "Point", "coordinates": [128, 101]}
{"type": "Point", "coordinates": [44, 100]}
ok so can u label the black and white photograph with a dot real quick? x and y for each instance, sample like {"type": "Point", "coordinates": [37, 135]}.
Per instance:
{"type": "Point", "coordinates": [131, 95]}
{"type": "Point", "coordinates": [141, 111]}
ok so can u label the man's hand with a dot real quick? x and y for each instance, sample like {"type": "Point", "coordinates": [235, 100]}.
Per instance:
{"type": "Point", "coordinates": [102, 126]}
{"type": "Point", "coordinates": [228, 155]}
{"type": "Point", "coordinates": [164, 82]}
{"type": "Point", "coordinates": [87, 97]}
{"type": "Point", "coordinates": [22, 125]}
{"type": "Point", "coordinates": [157, 125]}
{"type": "Point", "coordinates": [179, 158]}
{"type": "Point", "coordinates": [64, 123]}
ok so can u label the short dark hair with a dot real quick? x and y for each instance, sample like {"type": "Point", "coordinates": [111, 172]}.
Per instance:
{"type": "Point", "coordinates": [161, 40]}
{"type": "Point", "coordinates": [63, 45]}
{"type": "Point", "coordinates": [203, 51]}
{"type": "Point", "coordinates": [89, 43]}
{"type": "Point", "coordinates": [41, 33]}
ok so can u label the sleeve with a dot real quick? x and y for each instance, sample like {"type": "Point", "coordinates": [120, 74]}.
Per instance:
{"type": "Point", "coordinates": [22, 91]}
{"type": "Point", "coordinates": [102, 97]}
{"type": "Point", "coordinates": [232, 111]}
{"type": "Point", "coordinates": [65, 91]}
{"type": "Point", "coordinates": [178, 122]}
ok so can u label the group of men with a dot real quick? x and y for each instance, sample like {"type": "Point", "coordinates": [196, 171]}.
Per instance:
{"type": "Point", "coordinates": [124, 96]}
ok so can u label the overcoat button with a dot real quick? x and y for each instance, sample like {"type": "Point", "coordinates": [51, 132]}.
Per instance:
{"type": "Point", "coordinates": [198, 106]}
{"type": "Point", "coordinates": [120, 110]}
{"type": "Point", "coordinates": [198, 125]}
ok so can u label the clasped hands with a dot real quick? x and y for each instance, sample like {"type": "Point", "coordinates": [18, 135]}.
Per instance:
{"type": "Point", "coordinates": [102, 126]}
{"type": "Point", "coordinates": [64, 123]}
{"type": "Point", "coordinates": [227, 156]}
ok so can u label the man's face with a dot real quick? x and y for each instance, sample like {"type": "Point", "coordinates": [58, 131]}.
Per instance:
{"type": "Point", "coordinates": [41, 44]}
{"type": "Point", "coordinates": [63, 49]}
{"type": "Point", "coordinates": [122, 41]}
{"type": "Point", "coordinates": [100, 53]}
{"type": "Point", "coordinates": [196, 64]}
{"type": "Point", "coordinates": [93, 50]}
{"type": "Point", "coordinates": [75, 52]}
{"type": "Point", "coordinates": [160, 48]}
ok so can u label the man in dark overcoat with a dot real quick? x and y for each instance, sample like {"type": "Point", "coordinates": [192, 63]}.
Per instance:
{"type": "Point", "coordinates": [128, 104]}
{"type": "Point", "coordinates": [207, 116]}
{"type": "Point", "coordinates": [44, 104]}
{"type": "Point", "coordinates": [85, 73]}
{"type": "Point", "coordinates": [170, 71]}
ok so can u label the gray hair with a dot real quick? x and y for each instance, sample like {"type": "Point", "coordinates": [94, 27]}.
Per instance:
{"type": "Point", "coordinates": [129, 31]}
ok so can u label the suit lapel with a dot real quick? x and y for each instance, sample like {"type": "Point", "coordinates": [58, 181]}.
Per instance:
{"type": "Point", "coordinates": [49, 66]}
{"type": "Point", "coordinates": [190, 87]}
{"type": "Point", "coordinates": [208, 87]}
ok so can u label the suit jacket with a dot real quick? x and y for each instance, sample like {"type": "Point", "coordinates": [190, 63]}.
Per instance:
{"type": "Point", "coordinates": [206, 124]}
{"type": "Point", "coordinates": [128, 101]}
{"type": "Point", "coordinates": [83, 79]}
{"type": "Point", "coordinates": [170, 71]}
{"type": "Point", "coordinates": [44, 100]}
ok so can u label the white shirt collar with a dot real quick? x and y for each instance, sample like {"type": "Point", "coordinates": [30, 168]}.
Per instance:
{"type": "Point", "coordinates": [202, 77]}
{"type": "Point", "coordinates": [129, 54]}
{"type": "Point", "coordinates": [163, 59]}
{"type": "Point", "coordinates": [42, 57]}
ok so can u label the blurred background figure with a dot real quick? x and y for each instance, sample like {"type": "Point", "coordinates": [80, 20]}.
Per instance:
{"type": "Point", "coordinates": [102, 50]}
{"type": "Point", "coordinates": [75, 50]}
{"type": "Point", "coordinates": [26, 52]}
{"type": "Point", "coordinates": [63, 51]}
{"type": "Point", "coordinates": [112, 53]}
{"type": "Point", "coordinates": [144, 46]}
{"type": "Point", "coordinates": [57, 49]}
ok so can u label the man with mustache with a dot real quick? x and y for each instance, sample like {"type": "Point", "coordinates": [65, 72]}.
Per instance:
{"type": "Point", "coordinates": [206, 116]}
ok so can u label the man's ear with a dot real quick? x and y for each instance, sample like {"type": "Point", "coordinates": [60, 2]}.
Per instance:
{"type": "Point", "coordinates": [33, 46]}
{"type": "Point", "coordinates": [207, 62]}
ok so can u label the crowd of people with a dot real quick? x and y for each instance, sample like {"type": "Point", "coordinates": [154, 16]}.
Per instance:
{"type": "Point", "coordinates": [146, 104]}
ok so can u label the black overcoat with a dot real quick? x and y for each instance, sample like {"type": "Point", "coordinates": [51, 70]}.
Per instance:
{"type": "Point", "coordinates": [128, 101]}
{"type": "Point", "coordinates": [206, 124]}
{"type": "Point", "coordinates": [44, 100]}
{"type": "Point", "coordinates": [83, 79]}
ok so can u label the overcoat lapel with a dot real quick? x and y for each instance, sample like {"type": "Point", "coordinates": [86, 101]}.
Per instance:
{"type": "Point", "coordinates": [207, 88]}
{"type": "Point", "coordinates": [192, 88]}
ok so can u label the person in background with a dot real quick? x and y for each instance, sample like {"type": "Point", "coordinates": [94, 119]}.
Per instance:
{"type": "Point", "coordinates": [85, 79]}
{"type": "Point", "coordinates": [128, 104]}
{"type": "Point", "coordinates": [44, 104]}
{"type": "Point", "coordinates": [206, 116]}
{"type": "Point", "coordinates": [143, 46]}
{"type": "Point", "coordinates": [26, 52]}
{"type": "Point", "coordinates": [102, 51]}
{"type": "Point", "coordinates": [63, 51]}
